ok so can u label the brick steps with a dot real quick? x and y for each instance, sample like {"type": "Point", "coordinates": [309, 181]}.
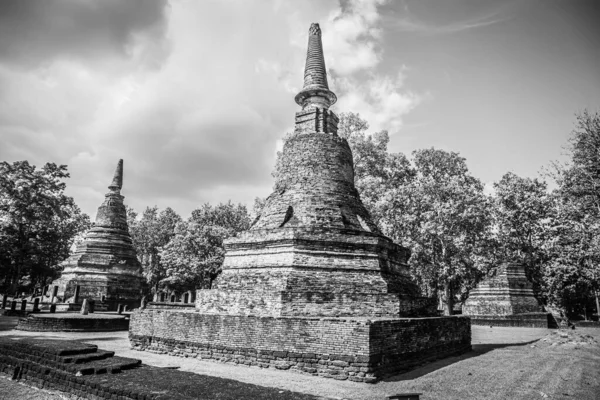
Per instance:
{"type": "Point", "coordinates": [40, 363]}
{"type": "Point", "coordinates": [82, 358]}
{"type": "Point", "coordinates": [111, 365]}
{"type": "Point", "coordinates": [66, 356]}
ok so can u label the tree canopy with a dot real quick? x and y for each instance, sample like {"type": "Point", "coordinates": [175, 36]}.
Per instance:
{"type": "Point", "coordinates": [38, 222]}
{"type": "Point", "coordinates": [195, 254]}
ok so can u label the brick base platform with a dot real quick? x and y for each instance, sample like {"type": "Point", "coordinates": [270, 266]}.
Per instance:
{"type": "Point", "coordinates": [357, 349]}
{"type": "Point", "coordinates": [72, 323]}
{"type": "Point", "coordinates": [531, 320]}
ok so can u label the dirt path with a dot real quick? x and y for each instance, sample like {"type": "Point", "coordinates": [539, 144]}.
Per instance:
{"type": "Point", "coordinates": [505, 363]}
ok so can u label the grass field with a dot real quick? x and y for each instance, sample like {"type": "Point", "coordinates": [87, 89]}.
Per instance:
{"type": "Point", "coordinates": [506, 363]}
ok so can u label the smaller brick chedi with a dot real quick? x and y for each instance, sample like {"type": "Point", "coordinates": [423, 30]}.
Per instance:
{"type": "Point", "coordinates": [104, 265]}
{"type": "Point", "coordinates": [313, 285]}
{"type": "Point", "coordinates": [505, 299]}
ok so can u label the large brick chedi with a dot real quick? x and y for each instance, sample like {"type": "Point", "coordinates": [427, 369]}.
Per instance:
{"type": "Point", "coordinates": [313, 285]}
{"type": "Point", "coordinates": [313, 250]}
{"type": "Point", "coordinates": [505, 299]}
{"type": "Point", "coordinates": [104, 265]}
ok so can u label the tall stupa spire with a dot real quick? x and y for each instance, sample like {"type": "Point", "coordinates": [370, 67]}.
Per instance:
{"type": "Point", "coordinates": [316, 90]}
{"type": "Point", "coordinates": [117, 182]}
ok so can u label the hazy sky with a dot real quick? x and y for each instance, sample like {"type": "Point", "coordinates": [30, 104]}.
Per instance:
{"type": "Point", "coordinates": [196, 95]}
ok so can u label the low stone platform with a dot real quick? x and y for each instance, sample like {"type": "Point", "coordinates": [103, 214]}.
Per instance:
{"type": "Point", "coordinates": [526, 320]}
{"type": "Point", "coordinates": [72, 322]}
{"type": "Point", "coordinates": [357, 349]}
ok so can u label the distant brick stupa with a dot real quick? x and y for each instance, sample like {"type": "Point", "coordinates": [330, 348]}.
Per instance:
{"type": "Point", "coordinates": [505, 299]}
{"type": "Point", "coordinates": [313, 285]}
{"type": "Point", "coordinates": [104, 265]}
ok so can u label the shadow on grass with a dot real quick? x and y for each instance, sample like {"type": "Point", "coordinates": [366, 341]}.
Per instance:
{"type": "Point", "coordinates": [477, 350]}
{"type": "Point", "coordinates": [8, 323]}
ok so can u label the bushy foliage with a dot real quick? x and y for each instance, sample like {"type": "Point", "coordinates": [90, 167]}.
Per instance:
{"type": "Point", "coordinates": [150, 233]}
{"type": "Point", "coordinates": [195, 254]}
{"type": "Point", "coordinates": [38, 222]}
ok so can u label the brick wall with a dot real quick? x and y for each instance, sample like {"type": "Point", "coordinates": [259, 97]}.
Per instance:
{"type": "Point", "coordinates": [358, 349]}
{"type": "Point", "coordinates": [32, 323]}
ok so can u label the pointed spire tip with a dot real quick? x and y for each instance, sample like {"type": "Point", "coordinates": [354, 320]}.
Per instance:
{"type": "Point", "coordinates": [314, 29]}
{"type": "Point", "coordinates": [117, 182]}
{"type": "Point", "coordinates": [315, 91]}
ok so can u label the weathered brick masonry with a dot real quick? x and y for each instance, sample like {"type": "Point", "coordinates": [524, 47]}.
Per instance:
{"type": "Point", "coordinates": [38, 323]}
{"type": "Point", "coordinates": [358, 349]}
{"type": "Point", "coordinates": [314, 285]}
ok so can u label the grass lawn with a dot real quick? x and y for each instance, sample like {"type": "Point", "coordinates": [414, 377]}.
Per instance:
{"type": "Point", "coordinates": [562, 365]}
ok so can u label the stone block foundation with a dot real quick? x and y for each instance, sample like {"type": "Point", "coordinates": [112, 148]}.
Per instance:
{"type": "Point", "coordinates": [357, 349]}
{"type": "Point", "coordinates": [72, 323]}
{"type": "Point", "coordinates": [530, 320]}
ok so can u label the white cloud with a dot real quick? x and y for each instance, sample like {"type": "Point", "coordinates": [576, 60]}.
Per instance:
{"type": "Point", "coordinates": [380, 100]}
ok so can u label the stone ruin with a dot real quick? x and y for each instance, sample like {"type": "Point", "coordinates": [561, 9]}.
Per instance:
{"type": "Point", "coordinates": [104, 267]}
{"type": "Point", "coordinates": [313, 285]}
{"type": "Point", "coordinates": [505, 299]}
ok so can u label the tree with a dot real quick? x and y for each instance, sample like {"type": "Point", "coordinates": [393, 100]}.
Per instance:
{"type": "Point", "coordinates": [38, 222]}
{"type": "Point", "coordinates": [523, 217]}
{"type": "Point", "coordinates": [195, 254]}
{"type": "Point", "coordinates": [150, 233]}
{"type": "Point", "coordinates": [444, 217]}
{"type": "Point", "coordinates": [573, 276]}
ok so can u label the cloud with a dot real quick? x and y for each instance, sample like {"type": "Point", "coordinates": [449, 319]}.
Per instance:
{"type": "Point", "coordinates": [380, 100]}
{"type": "Point", "coordinates": [352, 38]}
{"type": "Point", "coordinates": [408, 21]}
{"type": "Point", "coordinates": [39, 31]}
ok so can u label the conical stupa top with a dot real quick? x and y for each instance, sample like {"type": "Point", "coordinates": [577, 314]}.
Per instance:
{"type": "Point", "coordinates": [316, 90]}
{"type": "Point", "coordinates": [117, 182]}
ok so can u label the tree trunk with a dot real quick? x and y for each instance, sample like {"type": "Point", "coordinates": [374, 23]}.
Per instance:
{"type": "Point", "coordinates": [449, 300]}
{"type": "Point", "coordinates": [597, 306]}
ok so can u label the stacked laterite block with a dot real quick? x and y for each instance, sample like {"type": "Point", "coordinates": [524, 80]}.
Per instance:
{"type": "Point", "coordinates": [313, 285]}
{"type": "Point", "coordinates": [105, 265]}
{"type": "Point", "coordinates": [505, 299]}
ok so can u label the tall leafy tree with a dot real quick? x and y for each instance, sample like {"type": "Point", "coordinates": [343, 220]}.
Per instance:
{"type": "Point", "coordinates": [150, 234]}
{"type": "Point", "coordinates": [573, 275]}
{"type": "Point", "coordinates": [444, 217]}
{"type": "Point", "coordinates": [195, 254]}
{"type": "Point", "coordinates": [38, 222]}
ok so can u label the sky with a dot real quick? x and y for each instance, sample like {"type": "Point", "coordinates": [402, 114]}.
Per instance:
{"type": "Point", "coordinates": [196, 96]}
